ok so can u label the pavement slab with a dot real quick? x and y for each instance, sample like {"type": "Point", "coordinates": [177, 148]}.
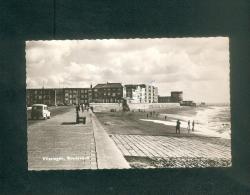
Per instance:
{"type": "Point", "coordinates": [168, 147]}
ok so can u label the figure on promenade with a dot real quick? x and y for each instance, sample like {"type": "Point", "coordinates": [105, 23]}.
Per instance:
{"type": "Point", "coordinates": [77, 114]}
{"type": "Point", "coordinates": [178, 126]}
{"type": "Point", "coordinates": [193, 125]}
{"type": "Point", "coordinates": [82, 107]}
{"type": "Point", "coordinates": [188, 127]}
{"type": "Point", "coordinates": [147, 115]}
{"type": "Point", "coordinates": [78, 107]}
{"type": "Point", "coordinates": [165, 117]}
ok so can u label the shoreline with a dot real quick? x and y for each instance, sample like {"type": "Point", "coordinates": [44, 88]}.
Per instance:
{"type": "Point", "coordinates": [135, 122]}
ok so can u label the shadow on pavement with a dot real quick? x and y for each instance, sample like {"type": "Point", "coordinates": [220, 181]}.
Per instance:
{"type": "Point", "coordinates": [68, 123]}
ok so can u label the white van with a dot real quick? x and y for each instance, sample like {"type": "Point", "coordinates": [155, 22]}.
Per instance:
{"type": "Point", "coordinates": [40, 111]}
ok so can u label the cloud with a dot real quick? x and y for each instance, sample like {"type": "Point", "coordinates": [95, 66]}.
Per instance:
{"type": "Point", "coordinates": [198, 66]}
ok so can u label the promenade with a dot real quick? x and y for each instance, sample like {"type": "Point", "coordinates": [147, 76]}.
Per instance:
{"type": "Point", "coordinates": [102, 143]}
{"type": "Point", "coordinates": [61, 144]}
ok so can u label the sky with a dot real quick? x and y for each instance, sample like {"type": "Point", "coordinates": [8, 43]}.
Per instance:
{"type": "Point", "coordinates": [197, 66]}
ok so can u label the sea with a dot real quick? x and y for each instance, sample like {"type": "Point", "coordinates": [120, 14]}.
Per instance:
{"type": "Point", "coordinates": [210, 120]}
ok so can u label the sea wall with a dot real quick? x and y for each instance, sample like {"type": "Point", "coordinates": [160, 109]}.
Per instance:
{"type": "Point", "coordinates": [106, 107]}
{"type": "Point", "coordinates": [151, 106]}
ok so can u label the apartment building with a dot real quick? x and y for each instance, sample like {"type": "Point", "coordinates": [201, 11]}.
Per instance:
{"type": "Point", "coordinates": [141, 93]}
{"type": "Point", "coordinates": [44, 96]}
{"type": "Point", "coordinates": [101, 93]}
{"type": "Point", "coordinates": [108, 93]}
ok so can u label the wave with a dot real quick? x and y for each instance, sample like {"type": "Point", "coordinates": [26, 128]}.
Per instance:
{"type": "Point", "coordinates": [210, 121]}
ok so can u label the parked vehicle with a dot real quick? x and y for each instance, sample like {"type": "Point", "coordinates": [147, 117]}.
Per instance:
{"type": "Point", "coordinates": [40, 111]}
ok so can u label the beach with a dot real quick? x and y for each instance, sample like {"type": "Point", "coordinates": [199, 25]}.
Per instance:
{"type": "Point", "coordinates": [148, 140]}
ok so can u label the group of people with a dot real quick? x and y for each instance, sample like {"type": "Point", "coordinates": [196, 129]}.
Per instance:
{"type": "Point", "coordinates": [81, 107]}
{"type": "Point", "coordinates": [152, 114]}
{"type": "Point", "coordinates": [178, 126]}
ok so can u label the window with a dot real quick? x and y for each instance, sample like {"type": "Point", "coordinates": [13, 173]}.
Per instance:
{"type": "Point", "coordinates": [40, 108]}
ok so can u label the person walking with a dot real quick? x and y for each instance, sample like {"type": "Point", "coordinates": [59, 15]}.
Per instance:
{"type": "Point", "coordinates": [77, 114]}
{"type": "Point", "coordinates": [82, 107]}
{"type": "Point", "coordinates": [193, 125]}
{"type": "Point", "coordinates": [188, 127]}
{"type": "Point", "coordinates": [178, 126]}
{"type": "Point", "coordinates": [165, 117]}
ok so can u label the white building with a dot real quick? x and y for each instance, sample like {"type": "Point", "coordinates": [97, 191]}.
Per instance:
{"type": "Point", "coordinates": [151, 94]}
{"type": "Point", "coordinates": [141, 93]}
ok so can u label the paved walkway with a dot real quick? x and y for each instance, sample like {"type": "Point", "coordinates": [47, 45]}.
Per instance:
{"type": "Point", "coordinates": [61, 144]}
{"type": "Point", "coordinates": [166, 147]}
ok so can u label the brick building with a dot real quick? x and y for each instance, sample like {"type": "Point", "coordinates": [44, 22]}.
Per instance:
{"type": "Point", "coordinates": [44, 96]}
{"type": "Point", "coordinates": [108, 93]}
{"type": "Point", "coordinates": [101, 93]}
{"type": "Point", "coordinates": [164, 99]}
{"type": "Point", "coordinates": [77, 95]}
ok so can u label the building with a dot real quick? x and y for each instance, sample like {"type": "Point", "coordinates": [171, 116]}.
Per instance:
{"type": "Point", "coordinates": [44, 96]}
{"type": "Point", "coordinates": [164, 99]}
{"type": "Point", "coordinates": [58, 96]}
{"type": "Point", "coordinates": [101, 93]}
{"type": "Point", "coordinates": [151, 94]}
{"type": "Point", "coordinates": [187, 103]}
{"type": "Point", "coordinates": [141, 93]}
{"type": "Point", "coordinates": [77, 95]}
{"type": "Point", "coordinates": [176, 96]}
{"type": "Point", "coordinates": [135, 93]}
{"type": "Point", "coordinates": [108, 93]}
